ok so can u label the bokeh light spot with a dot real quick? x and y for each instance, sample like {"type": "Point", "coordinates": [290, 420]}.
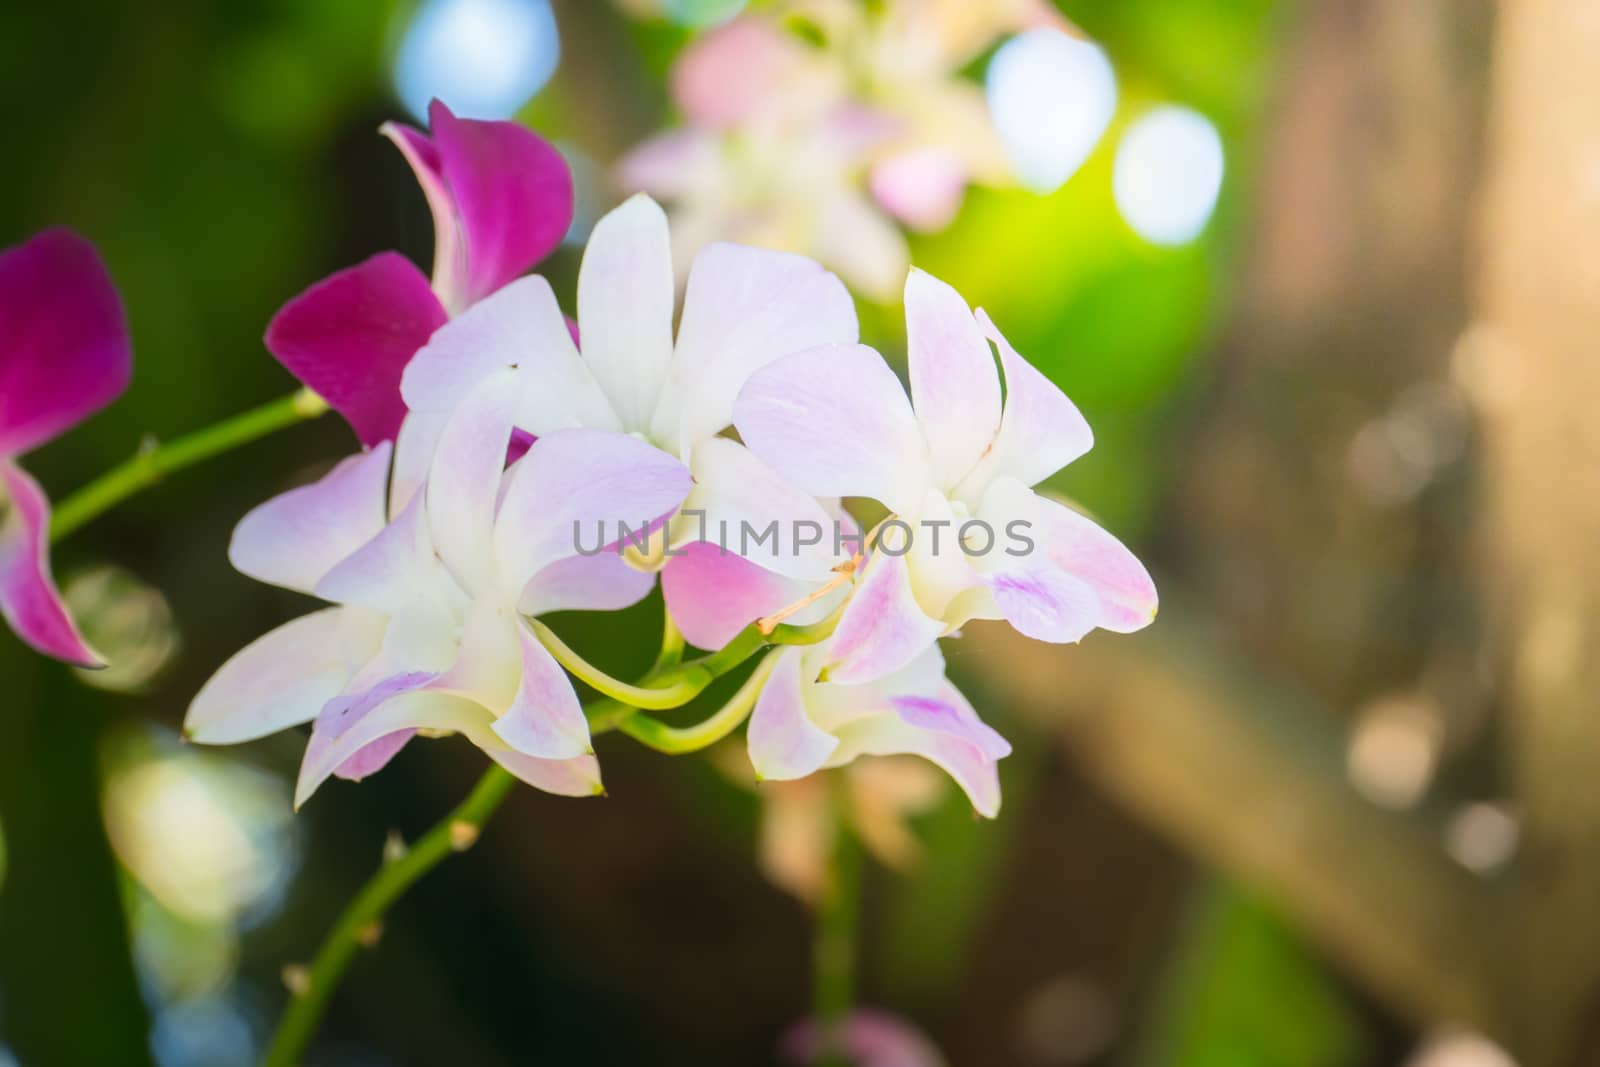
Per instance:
{"type": "Point", "coordinates": [1168, 174]}
{"type": "Point", "coordinates": [1051, 97]}
{"type": "Point", "coordinates": [483, 58]}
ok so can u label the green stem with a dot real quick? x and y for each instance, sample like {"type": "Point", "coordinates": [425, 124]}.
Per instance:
{"type": "Point", "coordinates": [834, 951]}
{"type": "Point", "coordinates": [355, 925]}
{"type": "Point", "coordinates": [671, 645]}
{"type": "Point", "coordinates": [681, 740]}
{"type": "Point", "coordinates": [153, 462]}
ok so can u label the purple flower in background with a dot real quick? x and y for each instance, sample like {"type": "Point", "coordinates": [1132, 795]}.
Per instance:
{"type": "Point", "coordinates": [871, 1039]}
{"type": "Point", "coordinates": [64, 355]}
{"type": "Point", "coordinates": [501, 199]}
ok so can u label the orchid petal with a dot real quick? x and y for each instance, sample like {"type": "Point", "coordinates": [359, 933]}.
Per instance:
{"type": "Point", "coordinates": [743, 308]}
{"type": "Point", "coordinates": [955, 387]}
{"type": "Point", "coordinates": [856, 239]}
{"type": "Point", "coordinates": [890, 735]}
{"type": "Point", "coordinates": [882, 629]}
{"type": "Point", "coordinates": [375, 755]}
{"type": "Point", "coordinates": [341, 735]}
{"type": "Point", "coordinates": [488, 661]}
{"type": "Point", "coordinates": [64, 348]}
{"type": "Point", "coordinates": [565, 778]}
{"type": "Point", "coordinates": [394, 572]}
{"type": "Point", "coordinates": [603, 581]}
{"type": "Point", "coordinates": [784, 742]}
{"type": "Point", "coordinates": [546, 719]}
{"type": "Point", "coordinates": [937, 559]}
{"type": "Point", "coordinates": [519, 326]}
{"type": "Point", "coordinates": [501, 197]}
{"type": "Point", "coordinates": [296, 538]}
{"type": "Point", "coordinates": [922, 187]}
{"type": "Point", "coordinates": [1040, 432]}
{"type": "Point", "coordinates": [713, 594]}
{"type": "Point", "coordinates": [29, 600]}
{"type": "Point", "coordinates": [953, 716]}
{"type": "Point", "coordinates": [625, 301]}
{"type": "Point", "coordinates": [464, 481]}
{"type": "Point", "coordinates": [572, 479]}
{"type": "Point", "coordinates": [284, 678]}
{"type": "Point", "coordinates": [835, 422]}
{"type": "Point", "coordinates": [1077, 578]}
{"type": "Point", "coordinates": [413, 455]}
{"type": "Point", "coordinates": [737, 493]}
{"type": "Point", "coordinates": [349, 337]}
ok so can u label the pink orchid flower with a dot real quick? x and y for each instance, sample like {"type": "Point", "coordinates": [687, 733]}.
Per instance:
{"type": "Point", "coordinates": [742, 308]}
{"type": "Point", "coordinates": [64, 354]}
{"type": "Point", "coordinates": [871, 1038]}
{"type": "Point", "coordinates": [501, 199]}
{"type": "Point", "coordinates": [802, 724]}
{"type": "Point", "coordinates": [428, 631]}
{"type": "Point", "coordinates": [836, 422]}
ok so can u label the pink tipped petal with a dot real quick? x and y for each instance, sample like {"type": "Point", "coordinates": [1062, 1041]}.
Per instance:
{"type": "Point", "coordinates": [349, 337]}
{"type": "Point", "coordinates": [625, 302]}
{"type": "Point", "coordinates": [835, 422]}
{"type": "Point", "coordinates": [571, 484]}
{"type": "Point", "coordinates": [347, 707]}
{"type": "Point", "coordinates": [743, 308]}
{"type": "Point", "coordinates": [784, 742]}
{"type": "Point", "coordinates": [501, 198]}
{"type": "Point", "coordinates": [922, 188]}
{"type": "Point", "coordinates": [464, 481]}
{"type": "Point", "coordinates": [1041, 431]}
{"type": "Point", "coordinates": [519, 326]}
{"type": "Point", "coordinates": [955, 386]}
{"type": "Point", "coordinates": [890, 735]}
{"type": "Point", "coordinates": [343, 734]}
{"type": "Point", "coordinates": [64, 349]}
{"type": "Point", "coordinates": [284, 678]}
{"type": "Point", "coordinates": [882, 629]}
{"type": "Point", "coordinates": [546, 719]}
{"type": "Point", "coordinates": [872, 1039]}
{"type": "Point", "coordinates": [565, 778]}
{"type": "Point", "coordinates": [714, 594]}
{"type": "Point", "coordinates": [29, 599]}
{"type": "Point", "coordinates": [601, 582]}
{"type": "Point", "coordinates": [294, 539]}
{"type": "Point", "coordinates": [942, 716]}
{"type": "Point", "coordinates": [1077, 577]}
{"type": "Point", "coordinates": [737, 493]}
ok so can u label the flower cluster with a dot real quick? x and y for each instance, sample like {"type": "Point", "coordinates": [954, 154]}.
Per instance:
{"type": "Point", "coordinates": [819, 125]}
{"type": "Point", "coordinates": [496, 430]}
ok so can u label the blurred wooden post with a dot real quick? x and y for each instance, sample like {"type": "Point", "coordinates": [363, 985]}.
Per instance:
{"type": "Point", "coordinates": [1533, 363]}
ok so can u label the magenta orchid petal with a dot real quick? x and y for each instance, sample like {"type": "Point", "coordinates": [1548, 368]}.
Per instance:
{"type": "Point", "coordinates": [743, 308]}
{"type": "Point", "coordinates": [784, 743]}
{"type": "Point", "coordinates": [625, 303]}
{"type": "Point", "coordinates": [955, 387]}
{"type": "Point", "coordinates": [600, 582]}
{"type": "Point", "coordinates": [713, 594]}
{"type": "Point", "coordinates": [565, 778]}
{"type": "Point", "coordinates": [1041, 430]}
{"type": "Point", "coordinates": [570, 483]}
{"type": "Point", "coordinates": [882, 629]}
{"type": "Point", "coordinates": [835, 421]}
{"type": "Point", "coordinates": [1078, 577]}
{"type": "Point", "coordinates": [29, 600]}
{"type": "Point", "coordinates": [64, 348]}
{"type": "Point", "coordinates": [296, 538]}
{"type": "Point", "coordinates": [284, 678]}
{"type": "Point", "coordinates": [502, 199]}
{"type": "Point", "coordinates": [546, 719]}
{"type": "Point", "coordinates": [349, 337]}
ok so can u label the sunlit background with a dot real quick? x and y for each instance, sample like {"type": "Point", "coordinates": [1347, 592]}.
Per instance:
{"type": "Point", "coordinates": [1240, 233]}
